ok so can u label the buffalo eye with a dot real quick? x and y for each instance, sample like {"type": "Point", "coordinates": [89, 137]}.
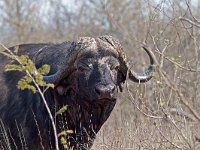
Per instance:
{"type": "Point", "coordinates": [114, 64]}
{"type": "Point", "coordinates": [114, 67]}
{"type": "Point", "coordinates": [83, 67]}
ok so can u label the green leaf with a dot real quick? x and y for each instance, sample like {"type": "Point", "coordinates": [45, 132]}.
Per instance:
{"type": "Point", "coordinates": [155, 75]}
{"type": "Point", "coordinates": [16, 49]}
{"type": "Point", "coordinates": [62, 110]}
{"type": "Point", "coordinates": [50, 85]}
{"type": "Point", "coordinates": [13, 68]}
{"type": "Point", "coordinates": [39, 80]}
{"type": "Point", "coordinates": [44, 69]}
{"type": "Point", "coordinates": [26, 65]}
{"type": "Point", "coordinates": [28, 79]}
{"type": "Point", "coordinates": [65, 133]}
{"type": "Point", "coordinates": [30, 68]}
{"type": "Point", "coordinates": [7, 55]}
{"type": "Point", "coordinates": [64, 142]}
{"type": "Point", "coordinates": [23, 59]}
{"type": "Point", "coordinates": [22, 84]}
{"type": "Point", "coordinates": [32, 88]}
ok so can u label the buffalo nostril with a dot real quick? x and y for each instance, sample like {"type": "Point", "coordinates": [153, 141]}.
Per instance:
{"type": "Point", "coordinates": [105, 91]}
{"type": "Point", "coordinates": [112, 87]}
{"type": "Point", "coordinates": [97, 90]}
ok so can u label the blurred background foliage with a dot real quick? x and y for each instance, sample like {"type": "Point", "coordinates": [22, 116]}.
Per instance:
{"type": "Point", "coordinates": [160, 114]}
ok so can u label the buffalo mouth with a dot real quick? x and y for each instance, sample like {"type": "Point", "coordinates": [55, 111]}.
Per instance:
{"type": "Point", "coordinates": [106, 100]}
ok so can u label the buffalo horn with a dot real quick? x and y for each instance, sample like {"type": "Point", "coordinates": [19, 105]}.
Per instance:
{"type": "Point", "coordinates": [146, 75]}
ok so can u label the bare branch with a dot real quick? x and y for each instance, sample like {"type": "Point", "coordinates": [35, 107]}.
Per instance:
{"type": "Point", "coordinates": [190, 21]}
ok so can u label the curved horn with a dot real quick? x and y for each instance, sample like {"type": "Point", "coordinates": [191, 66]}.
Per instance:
{"type": "Point", "coordinates": [133, 76]}
{"type": "Point", "coordinates": [147, 75]}
{"type": "Point", "coordinates": [52, 78]}
{"type": "Point", "coordinates": [68, 53]}
{"type": "Point", "coordinates": [63, 70]}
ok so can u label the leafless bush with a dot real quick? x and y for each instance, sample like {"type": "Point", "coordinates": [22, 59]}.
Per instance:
{"type": "Point", "coordinates": [163, 113]}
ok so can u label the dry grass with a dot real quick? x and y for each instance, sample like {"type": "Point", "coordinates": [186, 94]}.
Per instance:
{"type": "Point", "coordinates": [128, 129]}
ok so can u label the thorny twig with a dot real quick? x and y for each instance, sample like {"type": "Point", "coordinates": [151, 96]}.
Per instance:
{"type": "Point", "coordinates": [175, 125]}
{"type": "Point", "coordinates": [188, 5]}
{"type": "Point", "coordinates": [170, 60]}
{"type": "Point", "coordinates": [190, 21]}
{"type": "Point", "coordinates": [4, 134]}
{"type": "Point", "coordinates": [172, 143]}
{"type": "Point", "coordinates": [133, 101]}
{"type": "Point", "coordinates": [175, 88]}
{"type": "Point", "coordinates": [179, 93]}
{"type": "Point", "coordinates": [39, 132]}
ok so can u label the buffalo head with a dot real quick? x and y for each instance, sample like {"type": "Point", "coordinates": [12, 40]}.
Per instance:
{"type": "Point", "coordinates": [94, 69]}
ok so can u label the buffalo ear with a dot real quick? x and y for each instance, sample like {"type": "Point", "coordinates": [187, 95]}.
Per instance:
{"type": "Point", "coordinates": [121, 77]}
{"type": "Point", "coordinates": [62, 89]}
{"type": "Point", "coordinates": [120, 80]}
{"type": "Point", "coordinates": [120, 88]}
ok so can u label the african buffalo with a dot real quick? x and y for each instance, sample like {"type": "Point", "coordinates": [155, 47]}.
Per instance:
{"type": "Point", "coordinates": [87, 75]}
